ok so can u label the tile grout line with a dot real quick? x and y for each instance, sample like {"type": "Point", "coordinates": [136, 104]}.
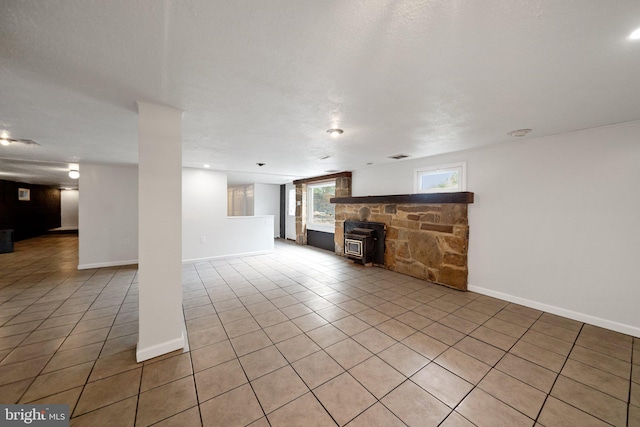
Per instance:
{"type": "Point", "coordinates": [487, 373]}
{"type": "Point", "coordinates": [186, 328]}
{"type": "Point", "coordinates": [101, 349]}
{"type": "Point", "coordinates": [241, 367]}
{"type": "Point", "coordinates": [50, 356]}
{"type": "Point", "coordinates": [558, 376]}
{"type": "Point", "coordinates": [369, 285]}
{"type": "Point", "coordinates": [290, 364]}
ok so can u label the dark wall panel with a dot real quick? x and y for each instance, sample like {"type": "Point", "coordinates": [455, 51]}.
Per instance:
{"type": "Point", "coordinates": [321, 240]}
{"type": "Point", "coordinates": [29, 218]}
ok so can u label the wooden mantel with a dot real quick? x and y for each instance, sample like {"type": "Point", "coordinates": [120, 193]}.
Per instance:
{"type": "Point", "coordinates": [464, 197]}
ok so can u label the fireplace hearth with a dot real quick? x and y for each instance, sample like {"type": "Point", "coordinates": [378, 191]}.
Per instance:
{"type": "Point", "coordinates": [426, 235]}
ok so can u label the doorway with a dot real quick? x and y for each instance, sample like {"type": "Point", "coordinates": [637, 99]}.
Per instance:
{"type": "Point", "coordinates": [290, 217]}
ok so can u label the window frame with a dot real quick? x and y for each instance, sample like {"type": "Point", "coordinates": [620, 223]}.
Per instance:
{"type": "Point", "coordinates": [460, 167]}
{"type": "Point", "coordinates": [310, 224]}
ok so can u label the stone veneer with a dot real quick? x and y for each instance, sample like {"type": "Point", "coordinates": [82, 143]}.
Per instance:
{"type": "Point", "coordinates": [427, 241]}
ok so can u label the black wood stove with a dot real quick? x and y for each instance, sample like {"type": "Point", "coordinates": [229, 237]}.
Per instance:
{"type": "Point", "coordinates": [359, 245]}
{"type": "Point", "coordinates": [364, 242]}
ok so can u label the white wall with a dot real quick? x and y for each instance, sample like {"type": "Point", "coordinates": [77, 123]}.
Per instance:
{"type": "Point", "coordinates": [69, 209]}
{"type": "Point", "coordinates": [555, 224]}
{"type": "Point", "coordinates": [267, 202]}
{"type": "Point", "coordinates": [204, 216]}
{"type": "Point", "coordinates": [108, 216]}
{"type": "Point", "coordinates": [108, 225]}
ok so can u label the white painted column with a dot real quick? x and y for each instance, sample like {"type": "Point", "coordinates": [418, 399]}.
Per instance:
{"type": "Point", "coordinates": [159, 230]}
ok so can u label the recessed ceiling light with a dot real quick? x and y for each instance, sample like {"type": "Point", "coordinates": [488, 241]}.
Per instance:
{"type": "Point", "coordinates": [399, 156]}
{"type": "Point", "coordinates": [519, 132]}
{"type": "Point", "coordinates": [324, 158]}
{"type": "Point", "coordinates": [207, 166]}
{"type": "Point", "coordinates": [74, 174]}
{"type": "Point", "coordinates": [260, 164]}
{"type": "Point", "coordinates": [332, 171]}
{"type": "Point", "coordinates": [335, 132]}
{"type": "Point", "coordinates": [369, 163]}
{"type": "Point", "coordinates": [4, 138]}
{"type": "Point", "coordinates": [635, 35]}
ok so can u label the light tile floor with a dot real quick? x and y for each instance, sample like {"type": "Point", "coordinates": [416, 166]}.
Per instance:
{"type": "Point", "coordinates": [301, 337]}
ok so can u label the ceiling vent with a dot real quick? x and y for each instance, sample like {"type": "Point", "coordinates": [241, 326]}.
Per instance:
{"type": "Point", "coordinates": [399, 156]}
{"type": "Point", "coordinates": [519, 133]}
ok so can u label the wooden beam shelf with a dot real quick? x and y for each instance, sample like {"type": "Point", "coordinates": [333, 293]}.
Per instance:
{"type": "Point", "coordinates": [463, 197]}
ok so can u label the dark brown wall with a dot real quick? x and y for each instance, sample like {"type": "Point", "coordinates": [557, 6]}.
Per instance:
{"type": "Point", "coordinates": [32, 218]}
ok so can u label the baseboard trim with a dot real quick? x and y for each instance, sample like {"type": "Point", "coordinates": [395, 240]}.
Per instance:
{"type": "Point", "coordinates": [156, 350]}
{"type": "Point", "coordinates": [227, 256]}
{"type": "Point", "coordinates": [580, 317]}
{"type": "Point", "coordinates": [135, 261]}
{"type": "Point", "coordinates": [107, 264]}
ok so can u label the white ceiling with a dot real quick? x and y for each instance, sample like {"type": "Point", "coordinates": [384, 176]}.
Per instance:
{"type": "Point", "coordinates": [262, 81]}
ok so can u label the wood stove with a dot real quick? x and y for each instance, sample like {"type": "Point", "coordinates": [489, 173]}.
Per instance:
{"type": "Point", "coordinates": [364, 242]}
{"type": "Point", "coordinates": [359, 245]}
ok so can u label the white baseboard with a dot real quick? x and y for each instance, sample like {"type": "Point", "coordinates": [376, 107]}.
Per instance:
{"type": "Point", "coordinates": [227, 256]}
{"type": "Point", "coordinates": [135, 261]}
{"type": "Point", "coordinates": [156, 350]}
{"type": "Point", "coordinates": [107, 264]}
{"type": "Point", "coordinates": [580, 317]}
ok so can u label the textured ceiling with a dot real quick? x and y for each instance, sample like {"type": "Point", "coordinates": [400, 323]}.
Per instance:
{"type": "Point", "coordinates": [261, 81]}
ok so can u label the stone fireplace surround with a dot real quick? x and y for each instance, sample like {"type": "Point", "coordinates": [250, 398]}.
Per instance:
{"type": "Point", "coordinates": [427, 235]}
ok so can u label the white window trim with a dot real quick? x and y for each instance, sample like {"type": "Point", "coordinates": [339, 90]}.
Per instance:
{"type": "Point", "coordinates": [310, 225]}
{"type": "Point", "coordinates": [462, 186]}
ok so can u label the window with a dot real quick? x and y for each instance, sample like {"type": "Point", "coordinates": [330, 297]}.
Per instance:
{"type": "Point", "coordinates": [440, 179]}
{"type": "Point", "coordinates": [321, 212]}
{"type": "Point", "coordinates": [240, 201]}
{"type": "Point", "coordinates": [24, 194]}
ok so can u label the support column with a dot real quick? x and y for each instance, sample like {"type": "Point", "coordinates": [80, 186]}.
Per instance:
{"type": "Point", "coordinates": [301, 214]}
{"type": "Point", "coordinates": [159, 231]}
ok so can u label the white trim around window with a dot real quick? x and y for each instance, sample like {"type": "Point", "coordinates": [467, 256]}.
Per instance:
{"type": "Point", "coordinates": [319, 226]}
{"type": "Point", "coordinates": [447, 178]}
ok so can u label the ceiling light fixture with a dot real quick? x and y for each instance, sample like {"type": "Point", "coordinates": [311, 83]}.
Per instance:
{"type": "Point", "coordinates": [519, 133]}
{"type": "Point", "coordinates": [399, 156]}
{"type": "Point", "coordinates": [5, 141]}
{"type": "Point", "coordinates": [635, 35]}
{"type": "Point", "coordinates": [207, 166]}
{"type": "Point", "coordinates": [74, 174]}
{"type": "Point", "coordinates": [335, 132]}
